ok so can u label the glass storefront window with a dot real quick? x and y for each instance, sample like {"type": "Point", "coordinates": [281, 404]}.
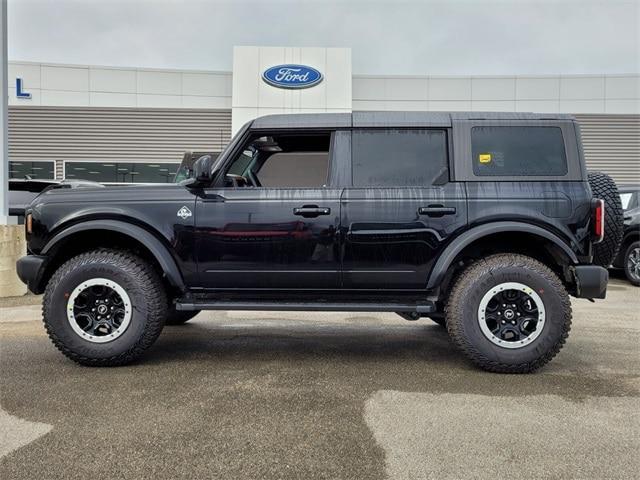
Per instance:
{"type": "Point", "coordinates": [119, 172]}
{"type": "Point", "coordinates": [34, 170]}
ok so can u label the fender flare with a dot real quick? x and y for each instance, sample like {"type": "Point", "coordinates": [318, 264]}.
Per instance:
{"type": "Point", "coordinates": [461, 242]}
{"type": "Point", "coordinates": [151, 242]}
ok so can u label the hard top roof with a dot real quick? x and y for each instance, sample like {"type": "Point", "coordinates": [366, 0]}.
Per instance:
{"type": "Point", "coordinates": [391, 119]}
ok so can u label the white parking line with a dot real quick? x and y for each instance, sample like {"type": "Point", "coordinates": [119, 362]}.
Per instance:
{"type": "Point", "coordinates": [16, 432]}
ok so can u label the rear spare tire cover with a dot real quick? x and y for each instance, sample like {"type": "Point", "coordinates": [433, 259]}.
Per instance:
{"type": "Point", "coordinates": [603, 187]}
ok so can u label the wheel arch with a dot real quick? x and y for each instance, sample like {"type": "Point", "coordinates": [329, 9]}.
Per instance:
{"type": "Point", "coordinates": [633, 235]}
{"type": "Point", "coordinates": [135, 236]}
{"type": "Point", "coordinates": [556, 247]}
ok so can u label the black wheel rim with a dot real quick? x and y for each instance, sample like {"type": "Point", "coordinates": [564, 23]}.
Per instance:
{"type": "Point", "coordinates": [511, 315]}
{"type": "Point", "coordinates": [99, 310]}
{"type": "Point", "coordinates": [633, 264]}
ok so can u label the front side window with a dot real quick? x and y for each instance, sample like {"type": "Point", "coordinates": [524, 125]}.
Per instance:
{"type": "Point", "coordinates": [399, 157]}
{"type": "Point", "coordinates": [518, 151]}
{"type": "Point", "coordinates": [282, 161]}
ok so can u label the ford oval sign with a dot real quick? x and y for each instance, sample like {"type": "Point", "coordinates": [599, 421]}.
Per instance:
{"type": "Point", "coordinates": [292, 76]}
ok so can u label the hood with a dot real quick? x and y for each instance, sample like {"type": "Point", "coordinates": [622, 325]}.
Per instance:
{"type": "Point", "coordinates": [91, 192]}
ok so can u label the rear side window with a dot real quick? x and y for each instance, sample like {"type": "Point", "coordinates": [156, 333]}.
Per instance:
{"type": "Point", "coordinates": [518, 151]}
{"type": "Point", "coordinates": [400, 157]}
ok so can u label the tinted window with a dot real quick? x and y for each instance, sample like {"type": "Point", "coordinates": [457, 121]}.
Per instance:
{"type": "Point", "coordinates": [283, 161]}
{"type": "Point", "coordinates": [518, 151]}
{"type": "Point", "coordinates": [113, 172]}
{"type": "Point", "coordinates": [41, 170]}
{"type": "Point", "coordinates": [388, 158]}
{"type": "Point", "coordinates": [299, 170]}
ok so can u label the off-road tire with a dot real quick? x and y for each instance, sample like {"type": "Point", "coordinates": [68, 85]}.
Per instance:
{"type": "Point", "coordinates": [475, 281]}
{"type": "Point", "coordinates": [148, 305]}
{"type": "Point", "coordinates": [603, 187]}
{"type": "Point", "coordinates": [634, 280]}
{"type": "Point", "coordinates": [178, 317]}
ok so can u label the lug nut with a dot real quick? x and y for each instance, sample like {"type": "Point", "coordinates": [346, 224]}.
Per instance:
{"type": "Point", "coordinates": [503, 321]}
{"type": "Point", "coordinates": [513, 322]}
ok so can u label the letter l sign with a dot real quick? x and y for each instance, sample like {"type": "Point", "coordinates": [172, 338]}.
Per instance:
{"type": "Point", "coordinates": [19, 92]}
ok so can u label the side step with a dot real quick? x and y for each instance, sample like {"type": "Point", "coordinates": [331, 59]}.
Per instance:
{"type": "Point", "coordinates": [426, 307]}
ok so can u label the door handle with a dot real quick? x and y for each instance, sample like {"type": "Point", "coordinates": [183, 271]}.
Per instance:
{"type": "Point", "coordinates": [436, 211]}
{"type": "Point", "coordinates": [310, 211]}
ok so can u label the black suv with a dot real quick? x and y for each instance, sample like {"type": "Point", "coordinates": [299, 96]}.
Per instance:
{"type": "Point", "coordinates": [485, 223]}
{"type": "Point", "coordinates": [628, 257]}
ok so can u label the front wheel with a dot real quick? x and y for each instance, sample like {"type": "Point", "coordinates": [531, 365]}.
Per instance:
{"type": "Point", "coordinates": [632, 263]}
{"type": "Point", "coordinates": [104, 308]}
{"type": "Point", "coordinates": [509, 313]}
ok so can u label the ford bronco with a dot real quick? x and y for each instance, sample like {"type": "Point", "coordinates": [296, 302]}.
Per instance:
{"type": "Point", "coordinates": [484, 223]}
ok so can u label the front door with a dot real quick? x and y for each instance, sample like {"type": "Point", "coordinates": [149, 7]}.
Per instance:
{"type": "Point", "coordinates": [275, 223]}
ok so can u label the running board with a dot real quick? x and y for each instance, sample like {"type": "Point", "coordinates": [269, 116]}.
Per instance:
{"type": "Point", "coordinates": [308, 306]}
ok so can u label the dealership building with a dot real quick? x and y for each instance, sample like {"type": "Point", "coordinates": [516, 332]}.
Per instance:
{"type": "Point", "coordinates": [133, 125]}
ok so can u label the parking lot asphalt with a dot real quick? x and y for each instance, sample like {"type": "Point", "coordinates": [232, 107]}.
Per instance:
{"type": "Point", "coordinates": [321, 395]}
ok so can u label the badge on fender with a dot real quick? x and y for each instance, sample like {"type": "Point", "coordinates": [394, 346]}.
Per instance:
{"type": "Point", "coordinates": [184, 213]}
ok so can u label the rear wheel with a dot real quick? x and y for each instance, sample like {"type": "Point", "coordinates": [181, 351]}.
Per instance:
{"type": "Point", "coordinates": [632, 263]}
{"type": "Point", "coordinates": [104, 308]}
{"type": "Point", "coordinates": [603, 187]}
{"type": "Point", "coordinates": [508, 313]}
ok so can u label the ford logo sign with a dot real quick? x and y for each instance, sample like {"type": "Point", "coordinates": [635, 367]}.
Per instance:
{"type": "Point", "coordinates": [292, 76]}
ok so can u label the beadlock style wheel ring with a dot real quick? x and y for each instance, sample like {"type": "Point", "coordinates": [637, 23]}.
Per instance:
{"type": "Point", "coordinates": [511, 315]}
{"type": "Point", "coordinates": [99, 310]}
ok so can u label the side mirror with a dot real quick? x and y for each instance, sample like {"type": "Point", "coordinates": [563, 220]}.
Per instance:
{"type": "Point", "coordinates": [202, 170]}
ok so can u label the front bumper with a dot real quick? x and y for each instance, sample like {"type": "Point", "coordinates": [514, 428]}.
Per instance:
{"type": "Point", "coordinates": [591, 281]}
{"type": "Point", "coordinates": [30, 269]}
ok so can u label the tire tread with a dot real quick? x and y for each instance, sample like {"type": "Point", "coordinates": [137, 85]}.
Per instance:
{"type": "Point", "coordinates": [603, 187]}
{"type": "Point", "coordinates": [149, 283]}
{"type": "Point", "coordinates": [465, 281]}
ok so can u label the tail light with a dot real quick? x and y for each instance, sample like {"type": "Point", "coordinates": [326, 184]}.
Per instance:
{"type": "Point", "coordinates": [598, 221]}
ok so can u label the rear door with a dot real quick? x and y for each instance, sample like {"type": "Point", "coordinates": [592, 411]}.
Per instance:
{"type": "Point", "coordinates": [401, 209]}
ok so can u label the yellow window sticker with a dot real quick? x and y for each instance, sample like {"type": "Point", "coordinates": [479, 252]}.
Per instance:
{"type": "Point", "coordinates": [484, 158]}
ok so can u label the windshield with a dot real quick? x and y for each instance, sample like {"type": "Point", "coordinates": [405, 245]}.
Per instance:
{"type": "Point", "coordinates": [230, 145]}
{"type": "Point", "coordinates": [625, 198]}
